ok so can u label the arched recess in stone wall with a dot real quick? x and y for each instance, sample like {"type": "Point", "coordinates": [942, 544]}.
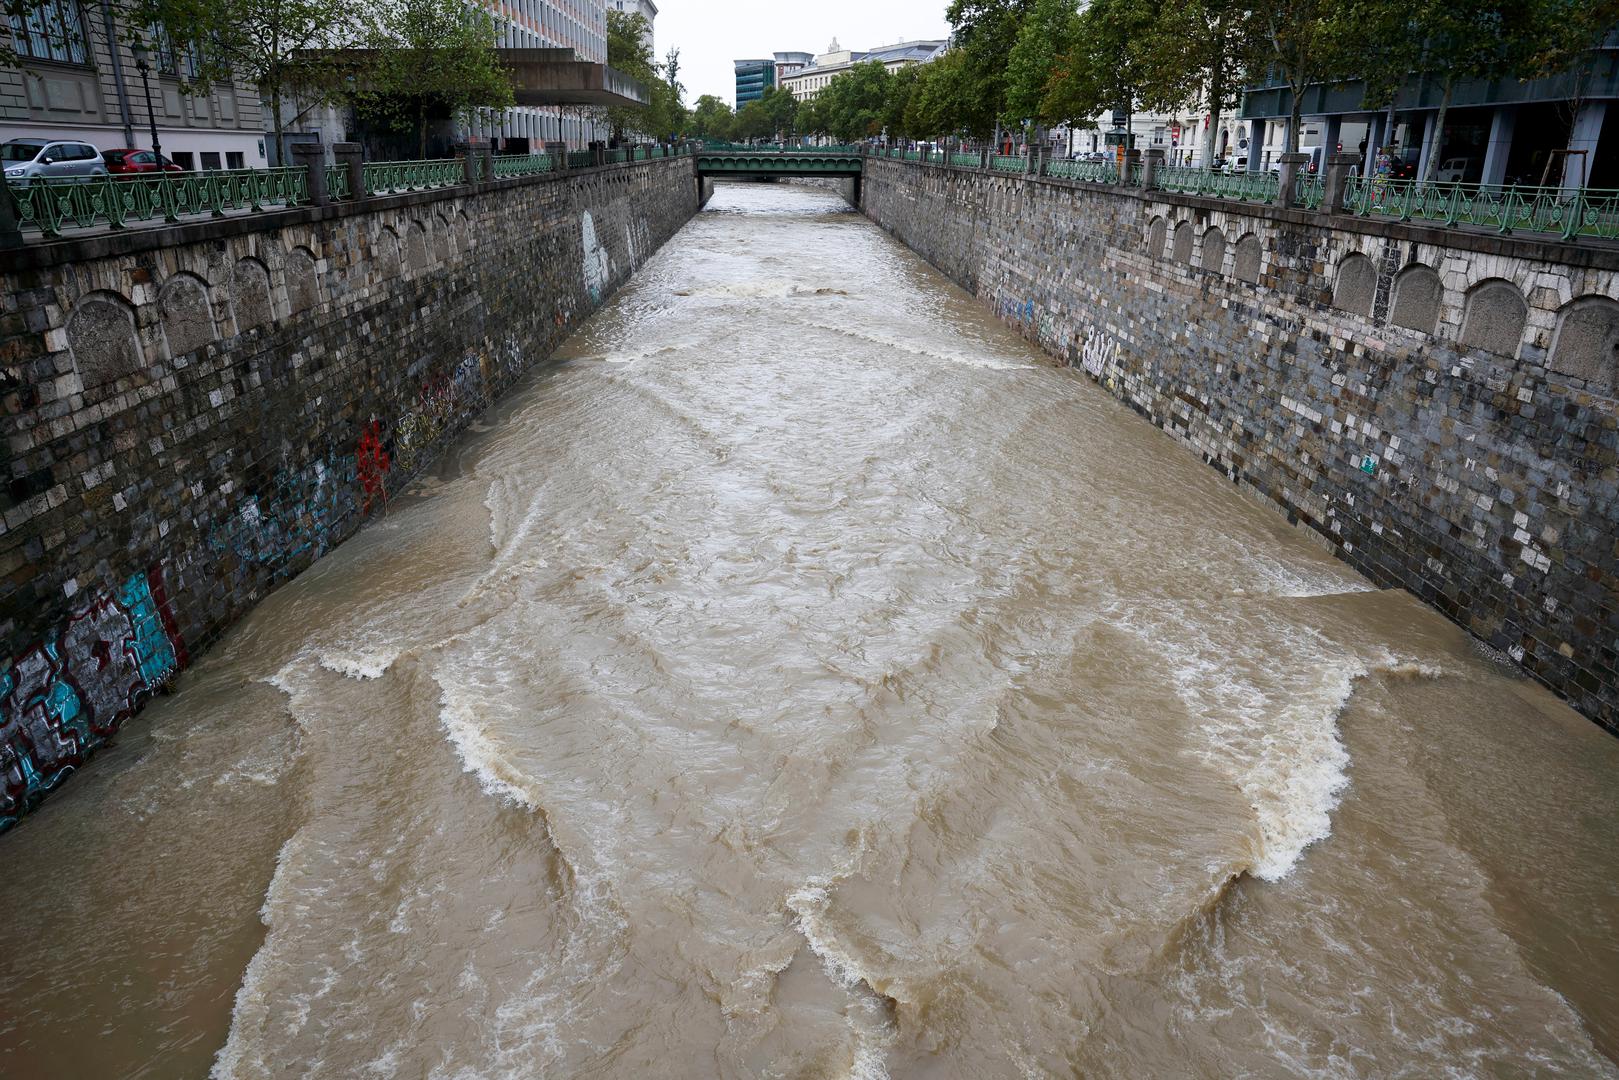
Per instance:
{"type": "Point", "coordinates": [101, 336]}
{"type": "Point", "coordinates": [465, 238]}
{"type": "Point", "coordinates": [1183, 243]}
{"type": "Point", "coordinates": [416, 246]}
{"type": "Point", "coordinates": [1250, 260]}
{"type": "Point", "coordinates": [1356, 285]}
{"type": "Point", "coordinates": [1418, 293]}
{"type": "Point", "coordinates": [250, 294]}
{"type": "Point", "coordinates": [1587, 341]}
{"type": "Point", "coordinates": [388, 253]}
{"type": "Point", "coordinates": [444, 238]}
{"type": "Point", "coordinates": [186, 314]}
{"type": "Point", "coordinates": [303, 284]}
{"type": "Point", "coordinates": [1494, 317]}
{"type": "Point", "coordinates": [1157, 236]}
{"type": "Point", "coordinates": [1214, 250]}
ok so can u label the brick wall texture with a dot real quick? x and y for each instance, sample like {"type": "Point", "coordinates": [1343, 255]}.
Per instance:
{"type": "Point", "coordinates": [1480, 478]}
{"type": "Point", "coordinates": [195, 415]}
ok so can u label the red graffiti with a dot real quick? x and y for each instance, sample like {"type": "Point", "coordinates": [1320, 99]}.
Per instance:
{"type": "Point", "coordinates": [373, 465]}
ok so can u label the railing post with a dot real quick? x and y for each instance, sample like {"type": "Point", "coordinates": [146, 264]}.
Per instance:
{"type": "Point", "coordinates": [1337, 182]}
{"type": "Point", "coordinates": [559, 155]}
{"type": "Point", "coordinates": [464, 152]}
{"type": "Point", "coordinates": [598, 154]}
{"type": "Point", "coordinates": [10, 219]}
{"type": "Point", "coordinates": [351, 156]}
{"type": "Point", "coordinates": [1287, 179]}
{"type": "Point", "coordinates": [1149, 170]}
{"type": "Point", "coordinates": [311, 157]}
{"type": "Point", "coordinates": [1127, 163]}
{"type": "Point", "coordinates": [486, 157]}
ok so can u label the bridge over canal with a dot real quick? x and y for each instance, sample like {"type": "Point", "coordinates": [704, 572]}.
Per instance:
{"type": "Point", "coordinates": [768, 161]}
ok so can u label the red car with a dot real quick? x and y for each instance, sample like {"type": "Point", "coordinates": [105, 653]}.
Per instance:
{"type": "Point", "coordinates": [135, 160]}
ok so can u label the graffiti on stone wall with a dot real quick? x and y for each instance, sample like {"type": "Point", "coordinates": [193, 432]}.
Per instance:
{"type": "Point", "coordinates": [1098, 353]}
{"type": "Point", "coordinates": [307, 511]}
{"type": "Point", "coordinates": [68, 694]}
{"type": "Point", "coordinates": [444, 400]}
{"type": "Point", "coordinates": [371, 462]}
{"type": "Point", "coordinates": [597, 267]}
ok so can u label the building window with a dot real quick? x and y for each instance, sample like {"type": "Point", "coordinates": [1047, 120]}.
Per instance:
{"type": "Point", "coordinates": [234, 160]}
{"type": "Point", "coordinates": [52, 31]}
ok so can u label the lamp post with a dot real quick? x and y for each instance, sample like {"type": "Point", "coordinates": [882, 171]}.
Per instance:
{"type": "Point", "coordinates": [141, 65]}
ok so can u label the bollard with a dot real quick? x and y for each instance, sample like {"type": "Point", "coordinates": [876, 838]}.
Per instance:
{"type": "Point", "coordinates": [1287, 179]}
{"type": "Point", "coordinates": [351, 156]}
{"type": "Point", "coordinates": [1336, 187]}
{"type": "Point", "coordinates": [312, 158]}
{"type": "Point", "coordinates": [1149, 170]}
{"type": "Point", "coordinates": [469, 175]}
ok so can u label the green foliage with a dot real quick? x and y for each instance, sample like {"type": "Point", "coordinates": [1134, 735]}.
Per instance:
{"type": "Point", "coordinates": [713, 119]}
{"type": "Point", "coordinates": [432, 57]}
{"type": "Point", "coordinates": [986, 32]}
{"type": "Point", "coordinates": [854, 106]}
{"type": "Point", "coordinates": [664, 115]}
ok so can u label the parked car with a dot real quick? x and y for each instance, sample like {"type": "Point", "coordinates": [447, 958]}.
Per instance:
{"type": "Point", "coordinates": [26, 160]}
{"type": "Point", "coordinates": [131, 160]}
{"type": "Point", "coordinates": [1454, 170]}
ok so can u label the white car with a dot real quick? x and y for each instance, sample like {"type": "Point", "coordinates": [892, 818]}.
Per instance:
{"type": "Point", "coordinates": [41, 159]}
{"type": "Point", "coordinates": [1453, 170]}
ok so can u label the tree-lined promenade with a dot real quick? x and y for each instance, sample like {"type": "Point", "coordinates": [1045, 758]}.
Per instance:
{"type": "Point", "coordinates": [1022, 65]}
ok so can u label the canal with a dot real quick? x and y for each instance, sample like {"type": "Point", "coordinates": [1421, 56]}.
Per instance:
{"type": "Point", "coordinates": [806, 679]}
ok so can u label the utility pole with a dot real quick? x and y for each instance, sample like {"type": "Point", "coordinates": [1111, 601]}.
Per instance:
{"type": "Point", "coordinates": [141, 65]}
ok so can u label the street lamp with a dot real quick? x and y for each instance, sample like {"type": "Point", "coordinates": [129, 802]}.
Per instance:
{"type": "Point", "coordinates": [141, 65]}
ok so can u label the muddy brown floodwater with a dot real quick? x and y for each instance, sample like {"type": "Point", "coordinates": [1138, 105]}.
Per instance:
{"type": "Point", "coordinates": [807, 680]}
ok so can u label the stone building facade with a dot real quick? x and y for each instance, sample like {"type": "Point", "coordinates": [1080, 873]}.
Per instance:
{"type": "Point", "coordinates": [1441, 407]}
{"type": "Point", "coordinates": [195, 414]}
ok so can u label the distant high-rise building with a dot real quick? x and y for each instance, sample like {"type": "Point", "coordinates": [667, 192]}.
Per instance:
{"type": "Point", "coordinates": [580, 25]}
{"type": "Point", "coordinates": [644, 8]}
{"type": "Point", "coordinates": [753, 78]}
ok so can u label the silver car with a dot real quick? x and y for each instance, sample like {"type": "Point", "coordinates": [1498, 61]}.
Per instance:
{"type": "Point", "coordinates": [30, 159]}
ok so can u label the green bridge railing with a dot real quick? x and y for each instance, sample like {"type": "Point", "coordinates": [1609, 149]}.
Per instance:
{"type": "Point", "coordinates": [1572, 214]}
{"type": "Point", "coordinates": [46, 208]}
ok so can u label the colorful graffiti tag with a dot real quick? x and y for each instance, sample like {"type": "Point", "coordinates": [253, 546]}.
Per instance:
{"type": "Point", "coordinates": [66, 696]}
{"type": "Point", "coordinates": [372, 462]}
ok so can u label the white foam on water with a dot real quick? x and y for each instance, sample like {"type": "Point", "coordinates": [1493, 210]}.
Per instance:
{"type": "Point", "coordinates": [243, 1054]}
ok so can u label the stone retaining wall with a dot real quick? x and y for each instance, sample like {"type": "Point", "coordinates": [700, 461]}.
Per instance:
{"type": "Point", "coordinates": [195, 414]}
{"type": "Point", "coordinates": [1440, 406]}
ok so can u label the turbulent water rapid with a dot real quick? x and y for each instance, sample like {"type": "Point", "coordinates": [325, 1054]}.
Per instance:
{"type": "Point", "coordinates": [805, 679]}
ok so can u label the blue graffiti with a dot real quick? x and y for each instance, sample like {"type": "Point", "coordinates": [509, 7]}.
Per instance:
{"type": "Point", "coordinates": [68, 695]}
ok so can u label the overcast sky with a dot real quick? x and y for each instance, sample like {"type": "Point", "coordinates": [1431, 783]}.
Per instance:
{"type": "Point", "coordinates": [710, 34]}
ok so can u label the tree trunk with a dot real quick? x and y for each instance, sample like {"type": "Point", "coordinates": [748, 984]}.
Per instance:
{"type": "Point", "coordinates": [280, 136]}
{"type": "Point", "coordinates": [421, 131]}
{"type": "Point", "coordinates": [1438, 147]}
{"type": "Point", "coordinates": [1290, 145]}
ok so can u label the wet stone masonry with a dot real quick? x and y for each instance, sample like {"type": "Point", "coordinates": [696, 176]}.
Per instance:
{"type": "Point", "coordinates": [1439, 406]}
{"type": "Point", "coordinates": [193, 415]}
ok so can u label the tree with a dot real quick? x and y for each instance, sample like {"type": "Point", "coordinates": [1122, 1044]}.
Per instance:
{"type": "Point", "coordinates": [431, 57]}
{"type": "Point", "coordinates": [1207, 44]}
{"type": "Point", "coordinates": [712, 118]}
{"type": "Point", "coordinates": [949, 99]}
{"type": "Point", "coordinates": [854, 105]}
{"type": "Point", "coordinates": [1310, 42]}
{"type": "Point", "coordinates": [986, 31]}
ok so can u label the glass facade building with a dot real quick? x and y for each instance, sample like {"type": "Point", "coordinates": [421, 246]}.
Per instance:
{"type": "Point", "coordinates": [753, 78]}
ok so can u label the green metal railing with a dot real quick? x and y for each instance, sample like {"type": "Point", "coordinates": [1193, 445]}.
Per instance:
{"type": "Point", "coordinates": [1091, 172]}
{"type": "Point", "coordinates": [971, 161]}
{"type": "Point", "coordinates": [114, 202]}
{"type": "Point", "coordinates": [1259, 187]}
{"type": "Point", "coordinates": [337, 182]}
{"type": "Point", "coordinates": [1309, 191]}
{"type": "Point", "coordinates": [1008, 163]}
{"type": "Point", "coordinates": [580, 159]}
{"type": "Point", "coordinates": [507, 165]}
{"type": "Point", "coordinates": [396, 177]}
{"type": "Point", "coordinates": [1592, 213]}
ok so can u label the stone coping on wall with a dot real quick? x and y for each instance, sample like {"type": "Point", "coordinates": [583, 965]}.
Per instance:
{"type": "Point", "coordinates": [70, 249]}
{"type": "Point", "coordinates": [1583, 255]}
